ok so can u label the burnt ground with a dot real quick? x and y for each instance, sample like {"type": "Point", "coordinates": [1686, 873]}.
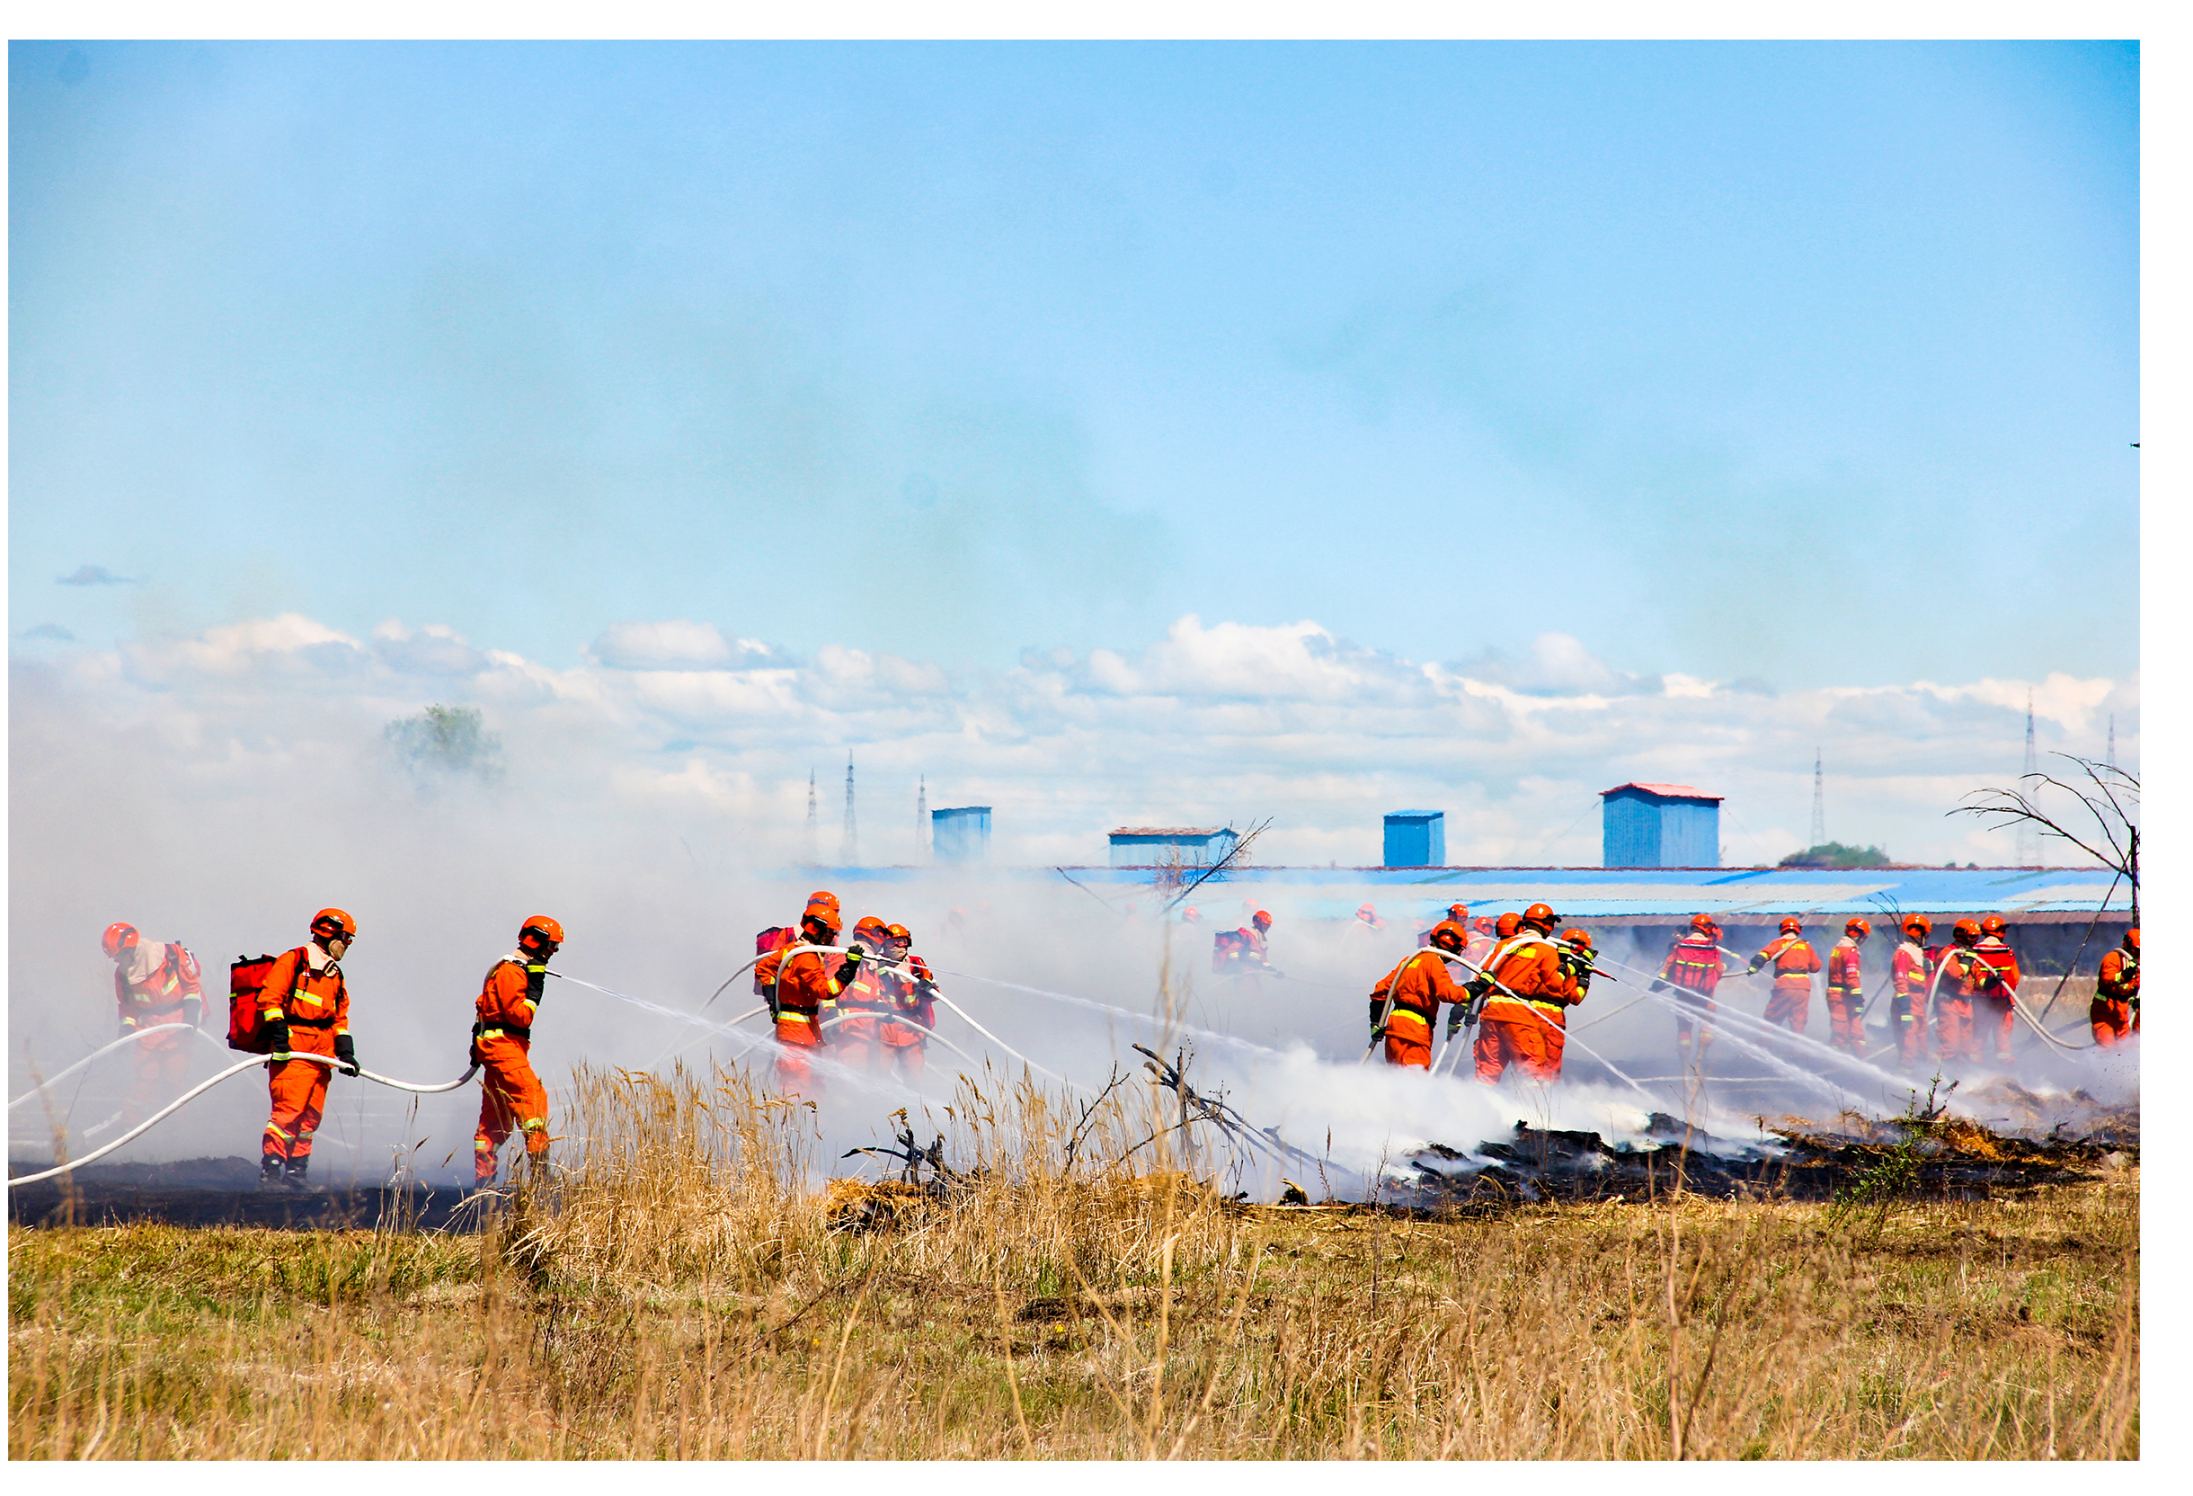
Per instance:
{"type": "Point", "coordinates": [225, 1192]}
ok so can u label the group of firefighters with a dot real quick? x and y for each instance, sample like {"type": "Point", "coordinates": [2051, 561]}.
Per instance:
{"type": "Point", "coordinates": [873, 1001]}
{"type": "Point", "coordinates": [1523, 979]}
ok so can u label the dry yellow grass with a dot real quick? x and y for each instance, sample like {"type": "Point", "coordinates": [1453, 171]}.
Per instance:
{"type": "Point", "coordinates": [679, 1294]}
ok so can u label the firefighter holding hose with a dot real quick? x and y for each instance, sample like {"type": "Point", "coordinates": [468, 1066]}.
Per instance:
{"type": "Point", "coordinates": [1794, 960]}
{"type": "Point", "coordinates": [1693, 971]}
{"type": "Point", "coordinates": [304, 1009]}
{"type": "Point", "coordinates": [511, 1095]}
{"type": "Point", "coordinates": [1910, 972]}
{"type": "Point", "coordinates": [2115, 1012]}
{"type": "Point", "coordinates": [1527, 988]}
{"type": "Point", "coordinates": [910, 989]}
{"type": "Point", "coordinates": [1846, 993]}
{"type": "Point", "coordinates": [1406, 1001]}
{"type": "Point", "coordinates": [155, 985]}
{"type": "Point", "coordinates": [805, 983]}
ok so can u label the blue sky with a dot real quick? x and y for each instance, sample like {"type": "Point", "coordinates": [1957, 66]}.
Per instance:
{"type": "Point", "coordinates": [1814, 364]}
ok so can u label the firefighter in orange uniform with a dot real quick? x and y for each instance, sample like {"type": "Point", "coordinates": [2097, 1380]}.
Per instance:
{"type": "Point", "coordinates": [1527, 987]}
{"type": "Point", "coordinates": [856, 1034]}
{"type": "Point", "coordinates": [1910, 972]}
{"type": "Point", "coordinates": [1846, 994]}
{"type": "Point", "coordinates": [1693, 970]}
{"type": "Point", "coordinates": [1482, 940]}
{"type": "Point", "coordinates": [2116, 1008]}
{"type": "Point", "coordinates": [154, 985]}
{"type": "Point", "coordinates": [804, 985]}
{"type": "Point", "coordinates": [1405, 1004]}
{"type": "Point", "coordinates": [911, 991]}
{"type": "Point", "coordinates": [1790, 1003]}
{"type": "Point", "coordinates": [1955, 1035]}
{"type": "Point", "coordinates": [304, 1009]}
{"type": "Point", "coordinates": [1997, 987]}
{"type": "Point", "coordinates": [511, 1095]}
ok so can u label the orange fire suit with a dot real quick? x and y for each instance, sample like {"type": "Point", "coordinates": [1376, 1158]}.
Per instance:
{"type": "Point", "coordinates": [807, 988]}
{"type": "Point", "coordinates": [1529, 1028]}
{"type": "Point", "coordinates": [511, 1095]}
{"type": "Point", "coordinates": [1417, 987]}
{"type": "Point", "coordinates": [1693, 969]}
{"type": "Point", "coordinates": [155, 985]}
{"type": "Point", "coordinates": [1907, 1008]}
{"type": "Point", "coordinates": [1790, 1003]}
{"type": "Point", "coordinates": [911, 991]}
{"type": "Point", "coordinates": [2115, 1011]}
{"type": "Point", "coordinates": [314, 1001]}
{"type": "Point", "coordinates": [1996, 988]}
{"type": "Point", "coordinates": [1846, 997]}
{"type": "Point", "coordinates": [857, 1034]}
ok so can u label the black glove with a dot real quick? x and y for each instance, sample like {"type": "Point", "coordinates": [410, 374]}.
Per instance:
{"type": "Point", "coordinates": [127, 1027]}
{"type": "Point", "coordinates": [347, 1053]}
{"type": "Point", "coordinates": [277, 1033]}
{"type": "Point", "coordinates": [851, 963]}
{"type": "Point", "coordinates": [1454, 1023]}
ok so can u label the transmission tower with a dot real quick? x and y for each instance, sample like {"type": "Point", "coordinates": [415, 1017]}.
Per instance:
{"type": "Point", "coordinates": [810, 816]}
{"type": "Point", "coordinates": [921, 823]}
{"type": "Point", "coordinates": [1819, 803]}
{"type": "Point", "coordinates": [849, 853]}
{"type": "Point", "coordinates": [2029, 835]}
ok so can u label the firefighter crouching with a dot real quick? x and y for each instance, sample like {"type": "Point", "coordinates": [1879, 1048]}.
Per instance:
{"type": "Point", "coordinates": [1527, 987]}
{"type": "Point", "coordinates": [511, 1095]}
{"type": "Point", "coordinates": [305, 1009]}
{"type": "Point", "coordinates": [1790, 1003]}
{"type": "Point", "coordinates": [1693, 971]}
{"type": "Point", "coordinates": [1406, 1002]}
{"type": "Point", "coordinates": [911, 991]}
{"type": "Point", "coordinates": [1846, 994]}
{"type": "Point", "coordinates": [154, 985]}
{"type": "Point", "coordinates": [804, 985]}
{"type": "Point", "coordinates": [2115, 1012]}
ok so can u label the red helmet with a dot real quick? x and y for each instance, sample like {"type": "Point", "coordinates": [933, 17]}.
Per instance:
{"type": "Point", "coordinates": [1858, 927]}
{"type": "Point", "coordinates": [1704, 925]}
{"type": "Point", "coordinates": [899, 935]}
{"type": "Point", "coordinates": [542, 929]}
{"type": "Point", "coordinates": [1460, 914]}
{"type": "Point", "coordinates": [1506, 926]}
{"type": "Point", "coordinates": [1793, 926]}
{"type": "Point", "coordinates": [1450, 934]}
{"type": "Point", "coordinates": [1581, 939]}
{"type": "Point", "coordinates": [2132, 940]}
{"type": "Point", "coordinates": [1369, 916]}
{"type": "Point", "coordinates": [1966, 931]}
{"type": "Point", "coordinates": [1918, 926]}
{"type": "Point", "coordinates": [1263, 920]}
{"type": "Point", "coordinates": [119, 938]}
{"type": "Point", "coordinates": [1994, 924]}
{"type": "Point", "coordinates": [335, 925]}
{"type": "Point", "coordinates": [1191, 916]}
{"type": "Point", "coordinates": [1541, 916]}
{"type": "Point", "coordinates": [1485, 925]}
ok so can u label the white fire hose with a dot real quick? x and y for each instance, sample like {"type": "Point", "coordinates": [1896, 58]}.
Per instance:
{"type": "Point", "coordinates": [129, 1038]}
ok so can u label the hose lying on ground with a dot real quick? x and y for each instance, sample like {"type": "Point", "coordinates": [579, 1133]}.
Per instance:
{"type": "Point", "coordinates": [129, 1038]}
{"type": "Point", "coordinates": [206, 1085]}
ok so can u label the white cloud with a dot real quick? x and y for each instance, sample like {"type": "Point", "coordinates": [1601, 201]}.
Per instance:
{"type": "Point", "coordinates": [674, 643]}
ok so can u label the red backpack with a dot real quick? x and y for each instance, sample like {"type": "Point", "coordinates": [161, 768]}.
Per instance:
{"type": "Point", "coordinates": [1227, 948]}
{"type": "Point", "coordinates": [247, 976]}
{"type": "Point", "coordinates": [776, 938]}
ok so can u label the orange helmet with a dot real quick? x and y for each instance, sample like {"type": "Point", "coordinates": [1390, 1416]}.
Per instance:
{"type": "Point", "coordinates": [1918, 926]}
{"type": "Point", "coordinates": [1262, 920]}
{"type": "Point", "coordinates": [1994, 924]}
{"type": "Point", "coordinates": [2132, 940]}
{"type": "Point", "coordinates": [823, 898]}
{"type": "Point", "coordinates": [334, 924]}
{"type": "Point", "coordinates": [1460, 914]}
{"type": "Point", "coordinates": [1704, 925]}
{"type": "Point", "coordinates": [1191, 915]}
{"type": "Point", "coordinates": [824, 917]}
{"type": "Point", "coordinates": [1367, 914]}
{"type": "Point", "coordinates": [1966, 931]}
{"type": "Point", "coordinates": [1484, 925]}
{"type": "Point", "coordinates": [1450, 933]}
{"type": "Point", "coordinates": [1542, 916]}
{"type": "Point", "coordinates": [1858, 927]}
{"type": "Point", "coordinates": [899, 935]}
{"type": "Point", "coordinates": [871, 931]}
{"type": "Point", "coordinates": [1506, 926]}
{"type": "Point", "coordinates": [1793, 926]}
{"type": "Point", "coordinates": [544, 931]}
{"type": "Point", "coordinates": [119, 938]}
{"type": "Point", "coordinates": [1581, 939]}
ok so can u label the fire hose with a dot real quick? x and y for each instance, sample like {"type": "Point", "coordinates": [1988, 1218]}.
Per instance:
{"type": "Point", "coordinates": [129, 1038]}
{"type": "Point", "coordinates": [206, 1085]}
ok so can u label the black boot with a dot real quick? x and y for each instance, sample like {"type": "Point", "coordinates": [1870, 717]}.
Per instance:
{"type": "Point", "coordinates": [294, 1175]}
{"type": "Point", "coordinates": [270, 1171]}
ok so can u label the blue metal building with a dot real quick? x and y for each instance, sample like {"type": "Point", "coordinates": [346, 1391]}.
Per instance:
{"type": "Point", "coordinates": [961, 834]}
{"type": "Point", "coordinates": [1660, 825]}
{"type": "Point", "coordinates": [1158, 846]}
{"type": "Point", "coordinates": [1416, 838]}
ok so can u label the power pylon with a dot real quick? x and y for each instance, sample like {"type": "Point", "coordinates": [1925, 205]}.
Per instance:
{"type": "Point", "coordinates": [2029, 835]}
{"type": "Point", "coordinates": [1819, 803]}
{"type": "Point", "coordinates": [849, 852]}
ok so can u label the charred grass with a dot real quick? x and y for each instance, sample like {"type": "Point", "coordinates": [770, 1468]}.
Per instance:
{"type": "Point", "coordinates": [680, 1294]}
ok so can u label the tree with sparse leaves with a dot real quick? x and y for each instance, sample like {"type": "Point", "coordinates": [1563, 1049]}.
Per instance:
{"type": "Point", "coordinates": [2110, 800]}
